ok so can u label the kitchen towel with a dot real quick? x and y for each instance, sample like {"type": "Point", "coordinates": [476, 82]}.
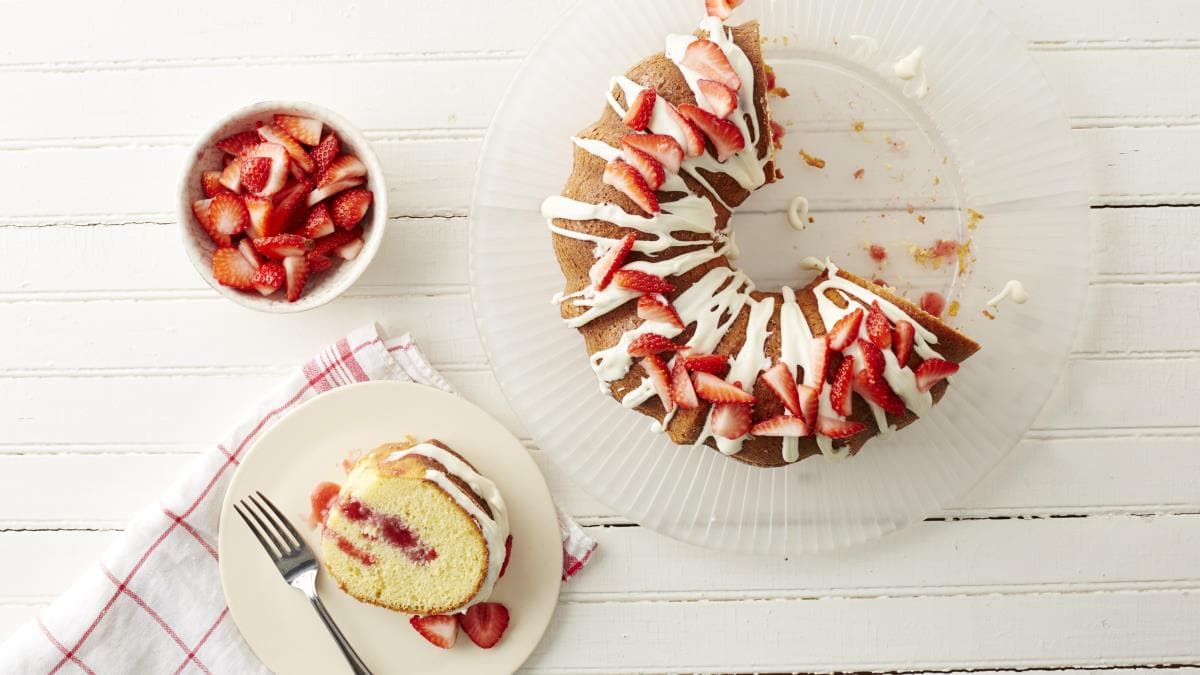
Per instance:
{"type": "Point", "coordinates": [153, 603]}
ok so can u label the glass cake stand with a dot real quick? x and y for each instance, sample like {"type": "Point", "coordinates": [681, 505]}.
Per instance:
{"type": "Point", "coordinates": [986, 157]}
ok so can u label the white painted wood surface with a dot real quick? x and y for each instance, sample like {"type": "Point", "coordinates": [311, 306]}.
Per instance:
{"type": "Point", "coordinates": [1081, 550]}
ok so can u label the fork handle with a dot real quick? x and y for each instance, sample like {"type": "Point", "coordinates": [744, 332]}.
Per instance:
{"type": "Point", "coordinates": [356, 663]}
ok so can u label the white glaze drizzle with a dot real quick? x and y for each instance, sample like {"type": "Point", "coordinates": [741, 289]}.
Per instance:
{"type": "Point", "coordinates": [1013, 290]}
{"type": "Point", "coordinates": [494, 528]}
{"type": "Point", "coordinates": [911, 69]}
{"type": "Point", "coordinates": [797, 213]}
{"type": "Point", "coordinates": [795, 338]}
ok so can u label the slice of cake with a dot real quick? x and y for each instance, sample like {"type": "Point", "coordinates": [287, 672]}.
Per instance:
{"type": "Point", "coordinates": [414, 528]}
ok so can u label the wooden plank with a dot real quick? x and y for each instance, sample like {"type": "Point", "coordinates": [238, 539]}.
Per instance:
{"type": "Point", "coordinates": [1070, 24]}
{"type": "Point", "coordinates": [1009, 632]}
{"type": "Point", "coordinates": [12, 616]}
{"type": "Point", "coordinates": [37, 566]}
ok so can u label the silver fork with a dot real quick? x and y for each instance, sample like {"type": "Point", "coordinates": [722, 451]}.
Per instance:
{"type": "Point", "coordinates": [295, 561]}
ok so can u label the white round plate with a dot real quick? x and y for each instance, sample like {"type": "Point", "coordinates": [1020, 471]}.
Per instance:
{"type": "Point", "coordinates": [990, 136]}
{"type": "Point", "coordinates": [307, 447]}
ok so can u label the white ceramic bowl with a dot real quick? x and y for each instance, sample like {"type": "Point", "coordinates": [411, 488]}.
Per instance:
{"type": "Point", "coordinates": [205, 156]}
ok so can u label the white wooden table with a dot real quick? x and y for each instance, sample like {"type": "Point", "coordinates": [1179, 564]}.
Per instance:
{"type": "Point", "coordinates": [117, 363]}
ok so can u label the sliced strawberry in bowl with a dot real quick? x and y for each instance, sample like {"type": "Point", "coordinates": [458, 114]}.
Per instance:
{"type": "Point", "coordinates": [343, 173]}
{"type": "Point", "coordinates": [296, 272]}
{"type": "Point", "coordinates": [731, 420]}
{"type": "Point", "coordinates": [726, 138]}
{"type": "Point", "coordinates": [656, 308]}
{"type": "Point", "coordinates": [651, 343]}
{"type": "Point", "coordinates": [660, 380]}
{"type": "Point", "coordinates": [318, 263]}
{"type": "Point", "coordinates": [643, 282]}
{"type": "Point", "coordinates": [318, 223]}
{"type": "Point", "coordinates": [782, 383]}
{"type": "Point", "coordinates": [327, 245]}
{"type": "Point", "coordinates": [326, 151]}
{"type": "Point", "coordinates": [349, 207]}
{"type": "Point", "coordinates": [716, 390]}
{"type": "Point", "coordinates": [441, 630]}
{"type": "Point", "coordinates": [202, 210]}
{"type": "Point", "coordinates": [350, 251]}
{"type": "Point", "coordinates": [282, 246]}
{"type": "Point", "coordinates": [280, 162]}
{"type": "Point", "coordinates": [782, 425]}
{"type": "Point", "coordinates": [228, 214]}
{"type": "Point", "coordinates": [246, 247]}
{"type": "Point", "coordinates": [932, 371]}
{"type": "Point", "coordinates": [273, 133]}
{"type": "Point", "coordinates": [605, 267]}
{"type": "Point", "coordinates": [253, 174]}
{"type": "Point", "coordinates": [682, 389]}
{"type": "Point", "coordinates": [721, 99]}
{"type": "Point", "coordinates": [239, 143]}
{"type": "Point", "coordinates": [661, 147]}
{"type": "Point", "coordinates": [230, 268]}
{"type": "Point", "coordinates": [231, 176]}
{"type": "Point", "coordinates": [210, 183]}
{"type": "Point", "coordinates": [623, 177]}
{"type": "Point", "coordinates": [705, 58]}
{"type": "Point", "coordinates": [304, 129]}
{"type": "Point", "coordinates": [268, 278]}
{"type": "Point", "coordinates": [637, 117]}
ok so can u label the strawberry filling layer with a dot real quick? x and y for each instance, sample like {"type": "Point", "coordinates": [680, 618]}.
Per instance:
{"type": "Point", "coordinates": [391, 529]}
{"type": "Point", "coordinates": [350, 549]}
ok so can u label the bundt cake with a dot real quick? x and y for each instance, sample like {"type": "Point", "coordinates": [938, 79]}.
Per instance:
{"type": "Point", "coordinates": [674, 329]}
{"type": "Point", "coordinates": [414, 528]}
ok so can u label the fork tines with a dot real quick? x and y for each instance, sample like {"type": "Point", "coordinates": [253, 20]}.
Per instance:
{"type": "Point", "coordinates": [272, 529]}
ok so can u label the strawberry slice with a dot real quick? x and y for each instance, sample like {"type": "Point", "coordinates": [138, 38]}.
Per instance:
{"type": "Point", "coordinates": [289, 208]}
{"type": "Point", "coordinates": [731, 420]}
{"type": "Point", "coordinates": [777, 134]}
{"type": "Point", "coordinates": [329, 244]}
{"type": "Point", "coordinates": [318, 223]}
{"type": "Point", "coordinates": [605, 267]}
{"type": "Point", "coordinates": [715, 390]}
{"type": "Point", "coordinates": [268, 278]}
{"type": "Point", "coordinates": [932, 371]}
{"type": "Point", "coordinates": [304, 129]}
{"type": "Point", "coordinates": [706, 363]}
{"type": "Point", "coordinates": [845, 331]}
{"type": "Point", "coordinates": [201, 209]}
{"type": "Point", "coordinates": [707, 60]}
{"type": "Point", "coordinates": [317, 263]}
{"type": "Point", "coordinates": [902, 341]}
{"type": "Point", "coordinates": [659, 146]}
{"type": "Point", "coordinates": [279, 166]}
{"type": "Point", "coordinates": [933, 302]}
{"type": "Point", "coordinates": [638, 115]}
{"type": "Point", "coordinates": [295, 269]}
{"type": "Point", "coordinates": [507, 556]}
{"type": "Point", "coordinates": [282, 246]}
{"type": "Point", "coordinates": [783, 425]}
{"type": "Point", "coordinates": [819, 351]}
{"type": "Point", "coordinates": [254, 173]}
{"type": "Point", "coordinates": [342, 168]}
{"type": "Point", "coordinates": [231, 176]}
{"type": "Point", "coordinates": [210, 183]}
{"type": "Point", "coordinates": [656, 370]}
{"type": "Point", "coordinates": [350, 251]}
{"type": "Point", "coordinates": [239, 143]}
{"type": "Point", "coordinates": [651, 343]}
{"type": "Point", "coordinates": [809, 402]}
{"type": "Point", "coordinates": [876, 390]}
{"type": "Point", "coordinates": [227, 213]}
{"type": "Point", "coordinates": [720, 8]}
{"type": "Point", "coordinates": [650, 168]}
{"type": "Point", "coordinates": [839, 394]}
{"type": "Point", "coordinates": [780, 381]}
{"type": "Point", "coordinates": [725, 136]}
{"type": "Point", "coordinates": [333, 188]}
{"type": "Point", "coordinates": [873, 361]}
{"type": "Point", "coordinates": [484, 623]}
{"type": "Point", "coordinates": [879, 329]}
{"type": "Point", "coordinates": [350, 206]}
{"type": "Point", "coordinates": [838, 429]}
{"type": "Point", "coordinates": [682, 389]}
{"type": "Point", "coordinates": [260, 210]}
{"type": "Point", "coordinates": [440, 630]}
{"type": "Point", "coordinates": [626, 179]}
{"type": "Point", "coordinates": [246, 247]}
{"type": "Point", "coordinates": [693, 140]}
{"type": "Point", "coordinates": [642, 282]}
{"type": "Point", "coordinates": [721, 99]}
{"type": "Point", "coordinates": [230, 268]}
{"type": "Point", "coordinates": [273, 133]}
{"type": "Point", "coordinates": [325, 152]}
{"type": "Point", "coordinates": [656, 308]}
